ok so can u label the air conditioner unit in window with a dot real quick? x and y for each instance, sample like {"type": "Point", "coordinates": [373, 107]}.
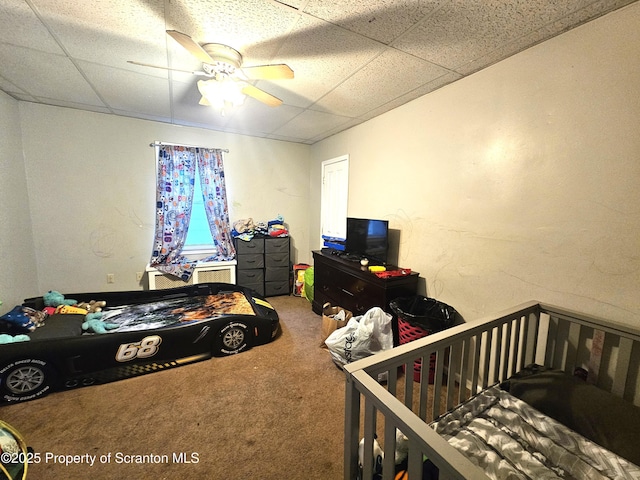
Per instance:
{"type": "Point", "coordinates": [205, 272]}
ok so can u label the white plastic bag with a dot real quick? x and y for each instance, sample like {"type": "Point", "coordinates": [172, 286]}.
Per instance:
{"type": "Point", "coordinates": [361, 337]}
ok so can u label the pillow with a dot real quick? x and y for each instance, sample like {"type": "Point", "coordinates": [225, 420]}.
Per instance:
{"type": "Point", "coordinates": [596, 414]}
{"type": "Point", "coordinates": [59, 326]}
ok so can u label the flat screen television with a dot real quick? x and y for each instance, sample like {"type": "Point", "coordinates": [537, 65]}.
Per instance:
{"type": "Point", "coordinates": [367, 238]}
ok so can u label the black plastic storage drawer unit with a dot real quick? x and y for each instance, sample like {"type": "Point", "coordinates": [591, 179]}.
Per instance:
{"type": "Point", "coordinates": [264, 265]}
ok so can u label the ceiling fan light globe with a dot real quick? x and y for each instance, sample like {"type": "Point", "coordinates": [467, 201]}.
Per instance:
{"type": "Point", "coordinates": [221, 93]}
{"type": "Point", "coordinates": [234, 95]}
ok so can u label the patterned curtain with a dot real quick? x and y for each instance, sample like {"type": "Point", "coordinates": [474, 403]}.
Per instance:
{"type": "Point", "coordinates": [174, 198]}
{"type": "Point", "coordinates": [214, 193]}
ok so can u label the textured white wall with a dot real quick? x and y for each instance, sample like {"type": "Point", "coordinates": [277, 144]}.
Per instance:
{"type": "Point", "coordinates": [519, 182]}
{"type": "Point", "coordinates": [91, 186]}
{"type": "Point", "coordinates": [17, 258]}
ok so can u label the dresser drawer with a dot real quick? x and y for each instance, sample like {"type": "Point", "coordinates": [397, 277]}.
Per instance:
{"type": "Point", "coordinates": [277, 245]}
{"type": "Point", "coordinates": [276, 274]}
{"type": "Point", "coordinates": [276, 288]}
{"type": "Point", "coordinates": [258, 287]}
{"type": "Point", "coordinates": [250, 261]}
{"type": "Point", "coordinates": [255, 245]}
{"type": "Point", "coordinates": [254, 275]}
{"type": "Point", "coordinates": [277, 260]}
{"type": "Point", "coordinates": [330, 277]}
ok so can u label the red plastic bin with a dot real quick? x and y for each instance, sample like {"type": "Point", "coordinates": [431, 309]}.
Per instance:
{"type": "Point", "coordinates": [408, 333]}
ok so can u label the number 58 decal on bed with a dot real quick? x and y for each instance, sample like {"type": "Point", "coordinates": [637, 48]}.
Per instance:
{"type": "Point", "coordinates": [145, 348]}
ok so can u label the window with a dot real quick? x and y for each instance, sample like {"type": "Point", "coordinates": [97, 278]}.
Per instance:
{"type": "Point", "coordinates": [199, 240]}
{"type": "Point", "coordinates": [175, 190]}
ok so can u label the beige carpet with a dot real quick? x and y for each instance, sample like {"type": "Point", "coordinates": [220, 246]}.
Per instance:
{"type": "Point", "coordinates": [273, 412]}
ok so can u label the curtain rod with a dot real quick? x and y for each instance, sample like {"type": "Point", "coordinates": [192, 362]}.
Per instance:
{"type": "Point", "coordinates": [159, 144]}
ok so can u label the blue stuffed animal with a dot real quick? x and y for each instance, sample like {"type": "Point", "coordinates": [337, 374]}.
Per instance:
{"type": "Point", "coordinates": [18, 320]}
{"type": "Point", "coordinates": [55, 299]}
{"type": "Point", "coordinates": [5, 338]}
{"type": "Point", "coordinates": [93, 324]}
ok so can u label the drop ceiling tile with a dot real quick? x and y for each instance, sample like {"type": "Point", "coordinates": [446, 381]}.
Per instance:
{"type": "Point", "coordinates": [309, 122]}
{"type": "Point", "coordinates": [297, 4]}
{"type": "Point", "coordinates": [253, 27]}
{"type": "Point", "coordinates": [256, 116]}
{"type": "Point", "coordinates": [45, 75]}
{"type": "Point", "coordinates": [151, 71]}
{"type": "Point", "coordinates": [383, 20]}
{"type": "Point", "coordinates": [197, 124]}
{"type": "Point", "coordinates": [322, 55]}
{"type": "Point", "coordinates": [11, 89]}
{"type": "Point", "coordinates": [332, 131]}
{"type": "Point", "coordinates": [463, 30]}
{"type": "Point", "coordinates": [19, 25]}
{"type": "Point", "coordinates": [185, 92]}
{"type": "Point", "coordinates": [143, 116]}
{"type": "Point", "coordinates": [386, 78]}
{"type": "Point", "coordinates": [412, 95]}
{"type": "Point", "coordinates": [110, 32]}
{"type": "Point", "coordinates": [78, 106]}
{"type": "Point", "coordinates": [18, 95]}
{"type": "Point", "coordinates": [303, 141]}
{"type": "Point", "coordinates": [125, 90]}
{"type": "Point", "coordinates": [564, 19]}
{"type": "Point", "coordinates": [287, 90]}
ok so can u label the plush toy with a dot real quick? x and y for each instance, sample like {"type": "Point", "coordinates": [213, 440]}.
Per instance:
{"type": "Point", "coordinates": [402, 447]}
{"type": "Point", "coordinates": [18, 320]}
{"type": "Point", "coordinates": [4, 338]}
{"type": "Point", "coordinates": [93, 324]}
{"type": "Point", "coordinates": [92, 306]}
{"type": "Point", "coordinates": [55, 299]}
{"type": "Point", "coordinates": [70, 310]}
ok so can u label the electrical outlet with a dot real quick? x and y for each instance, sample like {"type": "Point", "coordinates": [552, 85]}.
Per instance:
{"type": "Point", "coordinates": [111, 278]}
{"type": "Point", "coordinates": [139, 276]}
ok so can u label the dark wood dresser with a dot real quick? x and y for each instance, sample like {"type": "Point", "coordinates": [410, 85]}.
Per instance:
{"type": "Point", "coordinates": [347, 284]}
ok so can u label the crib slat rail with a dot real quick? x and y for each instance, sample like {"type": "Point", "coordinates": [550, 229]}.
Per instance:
{"type": "Point", "coordinates": [469, 358]}
{"type": "Point", "coordinates": [608, 351]}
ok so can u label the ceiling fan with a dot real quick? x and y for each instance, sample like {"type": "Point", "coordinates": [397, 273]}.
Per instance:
{"type": "Point", "coordinates": [228, 80]}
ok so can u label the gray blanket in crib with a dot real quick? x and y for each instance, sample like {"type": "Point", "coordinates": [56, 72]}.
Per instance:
{"type": "Point", "coordinates": [509, 439]}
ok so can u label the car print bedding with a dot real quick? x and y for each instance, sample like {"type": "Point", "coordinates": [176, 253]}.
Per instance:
{"type": "Point", "coordinates": [165, 313]}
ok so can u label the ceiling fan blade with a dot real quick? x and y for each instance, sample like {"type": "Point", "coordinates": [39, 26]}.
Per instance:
{"type": "Point", "coordinates": [261, 95]}
{"type": "Point", "coordinates": [202, 74]}
{"type": "Point", "coordinates": [191, 46]}
{"type": "Point", "coordinates": [268, 72]}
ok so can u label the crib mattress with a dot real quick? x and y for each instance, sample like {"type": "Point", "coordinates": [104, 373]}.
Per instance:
{"type": "Point", "coordinates": [509, 439]}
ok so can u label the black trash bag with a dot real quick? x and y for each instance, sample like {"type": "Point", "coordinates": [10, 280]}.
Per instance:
{"type": "Point", "coordinates": [426, 313]}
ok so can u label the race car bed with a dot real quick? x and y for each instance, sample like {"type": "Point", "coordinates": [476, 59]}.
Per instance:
{"type": "Point", "coordinates": [533, 392]}
{"type": "Point", "coordinates": [147, 331]}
